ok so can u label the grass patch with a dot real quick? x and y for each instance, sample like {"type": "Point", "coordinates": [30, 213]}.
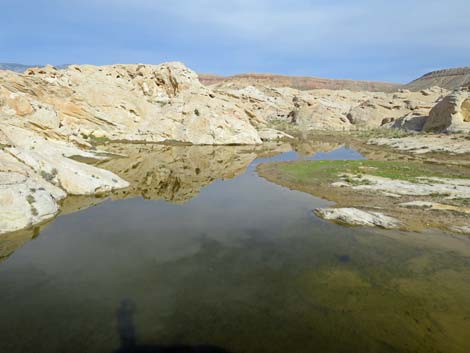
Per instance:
{"type": "Point", "coordinates": [30, 199]}
{"type": "Point", "coordinates": [383, 132]}
{"type": "Point", "coordinates": [330, 170]}
{"type": "Point", "coordinates": [98, 140]}
{"type": "Point", "coordinates": [49, 176]}
{"type": "Point", "coordinates": [459, 202]}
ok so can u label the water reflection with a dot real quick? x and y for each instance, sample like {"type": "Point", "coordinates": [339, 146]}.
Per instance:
{"type": "Point", "coordinates": [177, 174]}
{"type": "Point", "coordinates": [173, 173]}
{"type": "Point", "coordinates": [243, 266]}
{"type": "Point", "coordinates": [128, 337]}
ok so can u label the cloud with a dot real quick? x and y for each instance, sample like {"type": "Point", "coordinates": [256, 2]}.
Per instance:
{"type": "Point", "coordinates": [358, 39]}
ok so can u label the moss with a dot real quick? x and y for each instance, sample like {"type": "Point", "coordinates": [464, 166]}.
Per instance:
{"type": "Point", "coordinates": [30, 198]}
{"type": "Point", "coordinates": [46, 176]}
{"type": "Point", "coordinates": [34, 211]}
{"type": "Point", "coordinates": [330, 170]}
{"type": "Point", "coordinates": [381, 132]}
{"type": "Point", "coordinates": [98, 140]}
{"type": "Point", "coordinates": [49, 176]}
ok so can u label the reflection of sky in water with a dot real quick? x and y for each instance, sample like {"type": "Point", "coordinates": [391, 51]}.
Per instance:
{"type": "Point", "coordinates": [341, 153]}
{"type": "Point", "coordinates": [241, 266]}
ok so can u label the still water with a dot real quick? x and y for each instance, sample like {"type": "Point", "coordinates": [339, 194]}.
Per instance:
{"type": "Point", "coordinates": [203, 255]}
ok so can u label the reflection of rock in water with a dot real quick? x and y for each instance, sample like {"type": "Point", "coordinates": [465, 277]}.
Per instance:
{"type": "Point", "coordinates": [172, 173]}
{"type": "Point", "coordinates": [310, 147]}
{"type": "Point", "coordinates": [10, 242]}
{"type": "Point", "coordinates": [176, 173]}
{"type": "Point", "coordinates": [128, 338]}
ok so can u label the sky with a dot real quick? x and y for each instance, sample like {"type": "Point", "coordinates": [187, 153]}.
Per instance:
{"type": "Point", "coordinates": [380, 40]}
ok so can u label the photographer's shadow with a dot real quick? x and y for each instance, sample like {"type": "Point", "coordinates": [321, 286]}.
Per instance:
{"type": "Point", "coordinates": [127, 335]}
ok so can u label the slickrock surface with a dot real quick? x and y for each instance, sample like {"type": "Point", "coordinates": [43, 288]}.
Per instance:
{"type": "Point", "coordinates": [357, 217]}
{"type": "Point", "coordinates": [151, 103]}
{"type": "Point", "coordinates": [421, 144]}
{"type": "Point", "coordinates": [333, 110]}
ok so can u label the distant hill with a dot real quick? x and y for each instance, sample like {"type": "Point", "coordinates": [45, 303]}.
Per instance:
{"type": "Point", "coordinates": [21, 67]}
{"type": "Point", "coordinates": [449, 78]}
{"type": "Point", "coordinates": [298, 82]}
{"type": "Point", "coordinates": [14, 67]}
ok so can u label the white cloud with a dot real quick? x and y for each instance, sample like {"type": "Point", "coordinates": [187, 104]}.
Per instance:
{"type": "Point", "coordinates": [315, 26]}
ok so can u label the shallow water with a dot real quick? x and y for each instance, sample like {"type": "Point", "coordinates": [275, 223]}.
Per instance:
{"type": "Point", "coordinates": [184, 261]}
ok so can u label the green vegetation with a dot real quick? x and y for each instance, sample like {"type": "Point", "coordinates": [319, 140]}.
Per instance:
{"type": "Point", "coordinates": [330, 170]}
{"type": "Point", "coordinates": [30, 199]}
{"type": "Point", "coordinates": [98, 140]}
{"type": "Point", "coordinates": [49, 176]}
{"type": "Point", "coordinates": [34, 211]}
{"type": "Point", "coordinates": [381, 132]}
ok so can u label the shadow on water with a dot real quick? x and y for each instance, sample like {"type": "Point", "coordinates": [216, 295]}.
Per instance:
{"type": "Point", "coordinates": [128, 337]}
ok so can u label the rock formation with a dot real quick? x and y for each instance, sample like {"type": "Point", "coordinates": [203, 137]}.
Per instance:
{"type": "Point", "coordinates": [357, 217]}
{"type": "Point", "coordinates": [333, 109]}
{"type": "Point", "coordinates": [451, 114]}
{"type": "Point", "coordinates": [124, 102]}
{"type": "Point", "coordinates": [50, 118]}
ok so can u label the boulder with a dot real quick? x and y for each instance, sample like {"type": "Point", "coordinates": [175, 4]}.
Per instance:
{"type": "Point", "coordinates": [451, 114]}
{"type": "Point", "coordinates": [354, 216]}
{"type": "Point", "coordinates": [368, 114]}
{"type": "Point", "coordinates": [413, 121]}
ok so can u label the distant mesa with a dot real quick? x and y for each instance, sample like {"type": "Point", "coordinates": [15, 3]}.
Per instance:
{"type": "Point", "coordinates": [15, 67]}
{"type": "Point", "coordinates": [298, 82]}
{"type": "Point", "coordinates": [21, 67]}
{"type": "Point", "coordinates": [449, 79]}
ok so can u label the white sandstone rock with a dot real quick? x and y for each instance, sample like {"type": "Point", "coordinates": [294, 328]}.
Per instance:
{"type": "Point", "coordinates": [354, 216]}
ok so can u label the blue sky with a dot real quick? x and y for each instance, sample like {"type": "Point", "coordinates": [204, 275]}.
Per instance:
{"type": "Point", "coordinates": [364, 39]}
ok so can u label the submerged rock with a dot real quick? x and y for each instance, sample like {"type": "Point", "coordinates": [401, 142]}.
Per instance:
{"type": "Point", "coordinates": [357, 217]}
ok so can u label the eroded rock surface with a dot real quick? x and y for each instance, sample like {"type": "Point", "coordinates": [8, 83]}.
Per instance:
{"type": "Point", "coordinates": [150, 103]}
{"type": "Point", "coordinates": [357, 217]}
{"type": "Point", "coordinates": [421, 144]}
{"type": "Point", "coordinates": [451, 114]}
{"type": "Point", "coordinates": [332, 109]}
{"type": "Point", "coordinates": [25, 198]}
